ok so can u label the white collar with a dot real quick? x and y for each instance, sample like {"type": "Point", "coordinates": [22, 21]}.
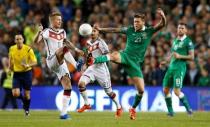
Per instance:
{"type": "Point", "coordinates": [183, 37]}
{"type": "Point", "coordinates": [143, 28]}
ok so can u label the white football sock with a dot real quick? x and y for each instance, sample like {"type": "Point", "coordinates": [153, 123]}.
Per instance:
{"type": "Point", "coordinates": [115, 100]}
{"type": "Point", "coordinates": [65, 102]}
{"type": "Point", "coordinates": [84, 96]}
{"type": "Point", "coordinates": [68, 57]}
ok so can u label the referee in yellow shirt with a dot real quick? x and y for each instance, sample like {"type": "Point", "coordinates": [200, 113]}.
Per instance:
{"type": "Point", "coordinates": [22, 58]}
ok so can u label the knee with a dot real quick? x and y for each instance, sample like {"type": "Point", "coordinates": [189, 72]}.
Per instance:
{"type": "Point", "coordinates": [27, 96]}
{"type": "Point", "coordinates": [176, 92]}
{"type": "Point", "coordinates": [166, 91]}
{"type": "Point", "coordinates": [114, 56]}
{"type": "Point", "coordinates": [66, 80]}
{"type": "Point", "coordinates": [81, 86]}
{"type": "Point", "coordinates": [15, 94]}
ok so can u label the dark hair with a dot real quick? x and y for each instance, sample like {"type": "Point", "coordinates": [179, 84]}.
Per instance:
{"type": "Point", "coordinates": [183, 24]}
{"type": "Point", "coordinates": [140, 15]}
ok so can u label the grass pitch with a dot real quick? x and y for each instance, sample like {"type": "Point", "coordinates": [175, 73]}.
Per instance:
{"type": "Point", "coordinates": [16, 118]}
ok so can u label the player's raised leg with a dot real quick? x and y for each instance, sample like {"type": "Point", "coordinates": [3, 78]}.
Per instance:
{"type": "Point", "coordinates": [68, 57]}
{"type": "Point", "coordinates": [115, 57]}
{"type": "Point", "coordinates": [64, 54]}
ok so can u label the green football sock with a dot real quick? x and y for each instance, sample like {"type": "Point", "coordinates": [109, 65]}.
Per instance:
{"type": "Point", "coordinates": [101, 59]}
{"type": "Point", "coordinates": [137, 100]}
{"type": "Point", "coordinates": [169, 104]}
{"type": "Point", "coordinates": [185, 103]}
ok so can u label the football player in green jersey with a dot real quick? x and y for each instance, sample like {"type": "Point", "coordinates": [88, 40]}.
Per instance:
{"type": "Point", "coordinates": [138, 39]}
{"type": "Point", "coordinates": [181, 51]}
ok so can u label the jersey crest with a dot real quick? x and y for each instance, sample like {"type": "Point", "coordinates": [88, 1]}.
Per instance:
{"type": "Point", "coordinates": [93, 47]}
{"type": "Point", "coordinates": [56, 36]}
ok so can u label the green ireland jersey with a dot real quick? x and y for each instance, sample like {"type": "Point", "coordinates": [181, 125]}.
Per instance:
{"type": "Point", "coordinates": [182, 47]}
{"type": "Point", "coordinates": [137, 41]}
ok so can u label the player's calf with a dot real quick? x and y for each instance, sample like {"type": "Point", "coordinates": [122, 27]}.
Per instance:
{"type": "Point", "coordinates": [82, 90]}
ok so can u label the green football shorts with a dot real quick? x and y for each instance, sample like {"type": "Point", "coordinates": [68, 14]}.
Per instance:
{"type": "Point", "coordinates": [131, 65]}
{"type": "Point", "coordinates": [174, 78]}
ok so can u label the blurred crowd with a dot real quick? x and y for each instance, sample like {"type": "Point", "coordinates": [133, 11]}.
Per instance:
{"type": "Point", "coordinates": [25, 15]}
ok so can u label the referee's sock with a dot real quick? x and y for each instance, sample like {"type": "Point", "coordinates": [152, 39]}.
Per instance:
{"type": "Point", "coordinates": [26, 104]}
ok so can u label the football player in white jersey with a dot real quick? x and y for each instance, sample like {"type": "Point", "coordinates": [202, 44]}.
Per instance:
{"type": "Point", "coordinates": [57, 48]}
{"type": "Point", "coordinates": [97, 72]}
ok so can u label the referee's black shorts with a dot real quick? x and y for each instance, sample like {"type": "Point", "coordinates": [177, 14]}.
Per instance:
{"type": "Point", "coordinates": [22, 80]}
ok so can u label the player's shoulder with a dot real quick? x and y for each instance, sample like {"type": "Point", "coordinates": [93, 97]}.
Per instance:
{"type": "Point", "coordinates": [45, 30]}
{"type": "Point", "coordinates": [188, 39]}
{"type": "Point", "coordinates": [100, 40]}
{"type": "Point", "coordinates": [27, 48]}
{"type": "Point", "coordinates": [13, 47]}
{"type": "Point", "coordinates": [149, 27]}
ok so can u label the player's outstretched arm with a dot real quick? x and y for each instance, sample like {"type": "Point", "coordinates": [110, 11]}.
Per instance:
{"type": "Point", "coordinates": [71, 46]}
{"type": "Point", "coordinates": [38, 38]}
{"type": "Point", "coordinates": [162, 21]}
{"type": "Point", "coordinates": [107, 30]}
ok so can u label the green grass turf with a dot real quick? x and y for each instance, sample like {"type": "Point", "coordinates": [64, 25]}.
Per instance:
{"type": "Point", "coordinates": [16, 118]}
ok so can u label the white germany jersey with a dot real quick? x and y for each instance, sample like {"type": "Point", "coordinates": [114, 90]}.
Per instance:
{"type": "Point", "coordinates": [53, 39]}
{"type": "Point", "coordinates": [98, 72]}
{"type": "Point", "coordinates": [97, 48]}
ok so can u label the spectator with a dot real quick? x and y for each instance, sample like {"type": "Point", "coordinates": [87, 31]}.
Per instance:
{"type": "Point", "coordinates": [204, 80]}
{"type": "Point", "coordinates": [6, 83]}
{"type": "Point", "coordinates": [192, 75]}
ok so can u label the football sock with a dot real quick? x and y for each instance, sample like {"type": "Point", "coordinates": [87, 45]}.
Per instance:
{"type": "Point", "coordinates": [68, 57]}
{"type": "Point", "coordinates": [84, 96]}
{"type": "Point", "coordinates": [102, 59]}
{"type": "Point", "coordinates": [137, 100]}
{"type": "Point", "coordinates": [82, 90]}
{"type": "Point", "coordinates": [184, 101]}
{"type": "Point", "coordinates": [169, 103]}
{"type": "Point", "coordinates": [116, 101]}
{"type": "Point", "coordinates": [65, 101]}
{"type": "Point", "coordinates": [27, 104]}
{"type": "Point", "coordinates": [112, 95]}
